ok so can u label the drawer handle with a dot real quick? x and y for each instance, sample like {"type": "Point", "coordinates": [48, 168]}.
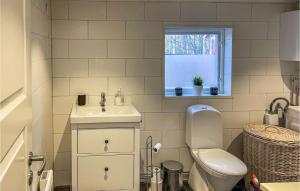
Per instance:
{"type": "Point", "coordinates": [106, 143]}
{"type": "Point", "coordinates": [105, 175]}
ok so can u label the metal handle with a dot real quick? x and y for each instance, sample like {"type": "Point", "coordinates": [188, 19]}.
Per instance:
{"type": "Point", "coordinates": [30, 177]}
{"type": "Point", "coordinates": [106, 141]}
{"type": "Point", "coordinates": [106, 175]}
{"type": "Point", "coordinates": [33, 158]}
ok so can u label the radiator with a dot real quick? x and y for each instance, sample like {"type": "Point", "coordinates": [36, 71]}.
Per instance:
{"type": "Point", "coordinates": [46, 181]}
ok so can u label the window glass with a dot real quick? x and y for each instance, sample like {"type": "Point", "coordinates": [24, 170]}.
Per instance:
{"type": "Point", "coordinates": [190, 53]}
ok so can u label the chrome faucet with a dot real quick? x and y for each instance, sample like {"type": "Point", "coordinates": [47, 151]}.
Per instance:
{"type": "Point", "coordinates": [102, 101]}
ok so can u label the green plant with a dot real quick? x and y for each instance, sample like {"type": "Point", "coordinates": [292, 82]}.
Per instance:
{"type": "Point", "coordinates": [198, 81]}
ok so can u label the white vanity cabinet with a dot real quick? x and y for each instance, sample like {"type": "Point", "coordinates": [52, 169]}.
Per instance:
{"type": "Point", "coordinates": [105, 156]}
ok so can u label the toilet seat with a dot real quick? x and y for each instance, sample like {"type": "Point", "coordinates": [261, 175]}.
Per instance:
{"type": "Point", "coordinates": [219, 162]}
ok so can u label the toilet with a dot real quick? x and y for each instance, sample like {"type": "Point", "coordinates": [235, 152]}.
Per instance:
{"type": "Point", "coordinates": [214, 169]}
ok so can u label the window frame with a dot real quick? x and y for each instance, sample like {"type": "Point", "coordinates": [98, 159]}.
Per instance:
{"type": "Point", "coordinates": [181, 30]}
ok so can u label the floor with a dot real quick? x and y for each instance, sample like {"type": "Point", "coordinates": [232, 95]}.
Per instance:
{"type": "Point", "coordinates": [238, 187]}
{"type": "Point", "coordinates": [62, 188]}
{"type": "Point", "coordinates": [143, 188]}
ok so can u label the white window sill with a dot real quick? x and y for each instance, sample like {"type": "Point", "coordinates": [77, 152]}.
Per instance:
{"type": "Point", "coordinates": [202, 96]}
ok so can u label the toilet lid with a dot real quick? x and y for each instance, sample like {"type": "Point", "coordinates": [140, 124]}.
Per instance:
{"type": "Point", "coordinates": [221, 162]}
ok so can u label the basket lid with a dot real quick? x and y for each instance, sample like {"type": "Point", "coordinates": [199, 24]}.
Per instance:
{"type": "Point", "coordinates": [273, 133]}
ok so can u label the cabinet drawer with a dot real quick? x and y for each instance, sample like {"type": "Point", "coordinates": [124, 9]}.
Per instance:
{"type": "Point", "coordinates": [105, 140]}
{"type": "Point", "coordinates": [105, 172]}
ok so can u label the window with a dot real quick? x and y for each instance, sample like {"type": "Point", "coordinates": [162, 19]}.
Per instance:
{"type": "Point", "coordinates": [204, 52]}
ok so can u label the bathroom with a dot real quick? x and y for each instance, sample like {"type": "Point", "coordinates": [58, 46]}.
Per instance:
{"type": "Point", "coordinates": [54, 50]}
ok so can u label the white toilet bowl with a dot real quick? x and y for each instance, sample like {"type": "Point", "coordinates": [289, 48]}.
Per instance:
{"type": "Point", "coordinates": [215, 170]}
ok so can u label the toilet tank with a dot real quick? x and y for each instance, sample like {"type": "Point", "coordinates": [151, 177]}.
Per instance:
{"type": "Point", "coordinates": [203, 127]}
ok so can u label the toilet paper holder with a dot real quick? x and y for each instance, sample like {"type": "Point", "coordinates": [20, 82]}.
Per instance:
{"type": "Point", "coordinates": [149, 158]}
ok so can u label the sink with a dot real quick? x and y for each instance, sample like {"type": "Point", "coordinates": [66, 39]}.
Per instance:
{"type": "Point", "coordinates": [113, 114]}
{"type": "Point", "coordinates": [293, 118]}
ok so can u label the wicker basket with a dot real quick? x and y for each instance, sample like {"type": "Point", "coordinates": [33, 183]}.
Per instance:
{"type": "Point", "coordinates": [272, 153]}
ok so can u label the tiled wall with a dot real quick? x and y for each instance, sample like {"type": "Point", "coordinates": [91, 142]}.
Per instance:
{"type": "Point", "coordinates": [104, 45]}
{"type": "Point", "coordinates": [42, 131]}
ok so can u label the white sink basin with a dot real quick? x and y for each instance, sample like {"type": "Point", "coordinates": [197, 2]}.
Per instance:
{"type": "Point", "coordinates": [112, 114]}
{"type": "Point", "coordinates": [293, 118]}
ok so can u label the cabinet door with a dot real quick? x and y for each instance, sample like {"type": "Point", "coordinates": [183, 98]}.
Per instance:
{"type": "Point", "coordinates": [105, 172]}
{"type": "Point", "coordinates": [105, 140]}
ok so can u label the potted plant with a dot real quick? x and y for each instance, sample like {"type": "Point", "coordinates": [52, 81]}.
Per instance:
{"type": "Point", "coordinates": [198, 85]}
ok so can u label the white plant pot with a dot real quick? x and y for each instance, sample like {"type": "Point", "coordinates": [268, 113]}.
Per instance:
{"type": "Point", "coordinates": [198, 89]}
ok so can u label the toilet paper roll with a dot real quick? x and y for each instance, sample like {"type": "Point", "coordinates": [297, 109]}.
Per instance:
{"type": "Point", "coordinates": [271, 119]}
{"type": "Point", "coordinates": [156, 184]}
{"type": "Point", "coordinates": [156, 172]}
{"type": "Point", "coordinates": [157, 147]}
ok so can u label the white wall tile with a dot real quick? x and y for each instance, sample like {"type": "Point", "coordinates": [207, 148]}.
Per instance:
{"type": "Point", "coordinates": [235, 120]}
{"type": "Point", "coordinates": [273, 30]}
{"type": "Point", "coordinates": [265, 48]}
{"type": "Point", "coordinates": [70, 67]}
{"type": "Point", "coordinates": [128, 85]}
{"type": "Point", "coordinates": [256, 116]}
{"type": "Point", "coordinates": [87, 10]}
{"type": "Point", "coordinates": [143, 67]}
{"type": "Point", "coordinates": [106, 67]}
{"type": "Point", "coordinates": [144, 30]}
{"type": "Point", "coordinates": [267, 12]}
{"type": "Point", "coordinates": [61, 124]}
{"type": "Point", "coordinates": [162, 121]}
{"type": "Point", "coordinates": [162, 11]}
{"type": "Point", "coordinates": [153, 85]}
{"type": "Point", "coordinates": [250, 30]}
{"type": "Point", "coordinates": [62, 143]}
{"type": "Point", "coordinates": [240, 84]}
{"type": "Point", "coordinates": [125, 11]}
{"type": "Point", "coordinates": [178, 105]}
{"type": "Point", "coordinates": [60, 49]}
{"type": "Point", "coordinates": [106, 30]}
{"type": "Point", "coordinates": [62, 161]}
{"type": "Point", "coordinates": [60, 9]}
{"type": "Point", "coordinates": [173, 138]}
{"type": "Point", "coordinates": [125, 49]}
{"type": "Point", "coordinates": [147, 103]}
{"type": "Point", "coordinates": [198, 11]}
{"type": "Point", "coordinates": [241, 48]}
{"type": "Point", "coordinates": [266, 84]}
{"type": "Point", "coordinates": [242, 102]}
{"type": "Point", "coordinates": [250, 66]}
{"type": "Point", "coordinates": [61, 86]}
{"type": "Point", "coordinates": [62, 105]}
{"type": "Point", "coordinates": [233, 11]}
{"type": "Point", "coordinates": [88, 86]}
{"type": "Point", "coordinates": [153, 49]}
{"type": "Point", "coordinates": [87, 49]}
{"type": "Point", "coordinates": [186, 159]}
{"type": "Point", "coordinates": [69, 29]}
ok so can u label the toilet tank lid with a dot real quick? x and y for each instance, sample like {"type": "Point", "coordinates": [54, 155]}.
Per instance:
{"type": "Point", "coordinates": [200, 108]}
